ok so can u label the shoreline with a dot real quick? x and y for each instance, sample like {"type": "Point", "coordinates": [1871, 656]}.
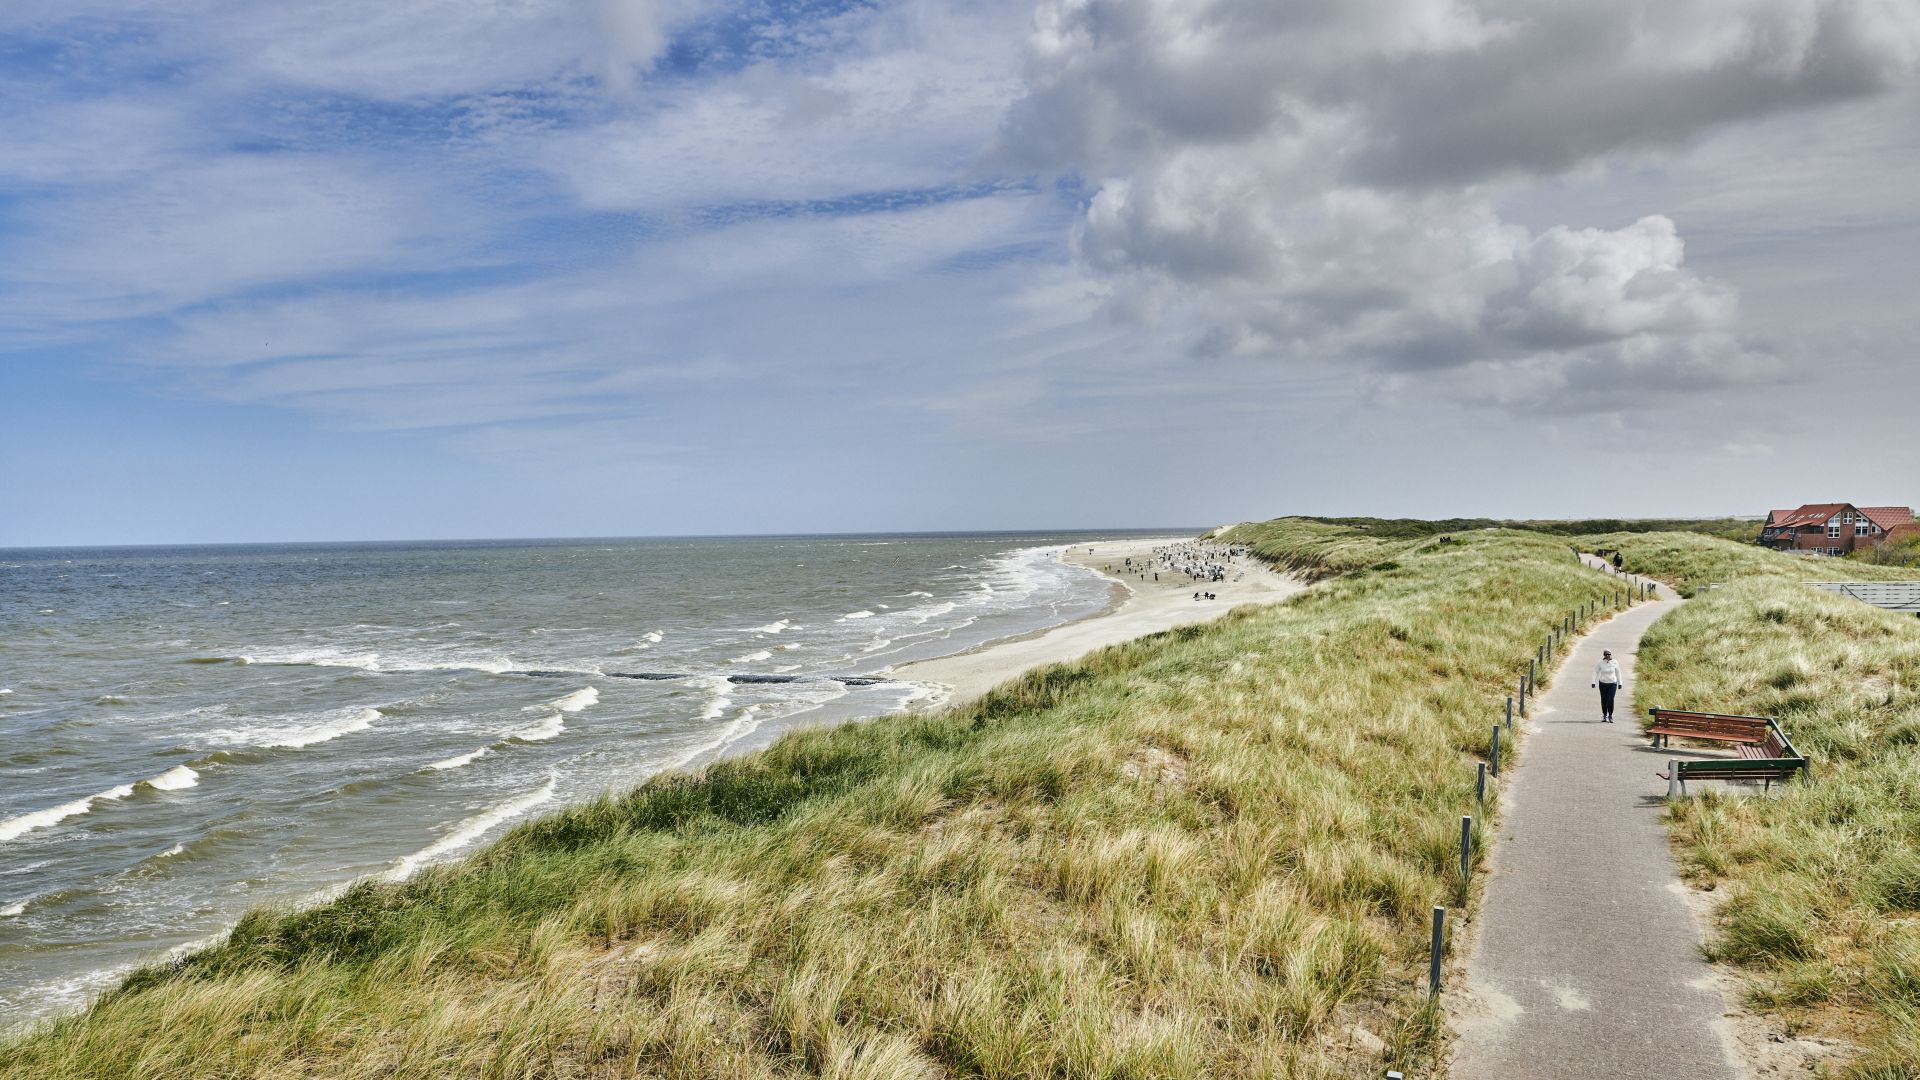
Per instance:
{"type": "Point", "coordinates": [1139, 605]}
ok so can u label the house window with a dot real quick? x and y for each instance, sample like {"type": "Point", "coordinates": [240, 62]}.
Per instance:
{"type": "Point", "coordinates": [1833, 530]}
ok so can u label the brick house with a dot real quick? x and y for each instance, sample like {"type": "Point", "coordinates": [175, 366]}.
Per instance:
{"type": "Point", "coordinates": [1831, 528]}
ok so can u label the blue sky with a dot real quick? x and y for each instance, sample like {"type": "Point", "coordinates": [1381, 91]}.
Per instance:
{"type": "Point", "coordinates": [357, 270]}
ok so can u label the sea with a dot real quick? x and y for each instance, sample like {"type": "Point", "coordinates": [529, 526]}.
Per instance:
{"type": "Point", "coordinates": [190, 732]}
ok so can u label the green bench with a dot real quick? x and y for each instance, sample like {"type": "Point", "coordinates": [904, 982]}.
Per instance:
{"type": "Point", "coordinates": [1771, 758]}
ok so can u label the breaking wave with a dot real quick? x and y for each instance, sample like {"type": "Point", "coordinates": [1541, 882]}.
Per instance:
{"type": "Point", "coordinates": [577, 700]}
{"type": "Point", "coordinates": [339, 722]}
{"type": "Point", "coordinates": [457, 760]}
{"type": "Point", "coordinates": [53, 815]}
{"type": "Point", "coordinates": [472, 829]}
{"type": "Point", "coordinates": [178, 778]}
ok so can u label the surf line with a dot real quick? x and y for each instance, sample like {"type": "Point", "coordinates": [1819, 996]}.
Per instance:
{"type": "Point", "coordinates": [663, 676]}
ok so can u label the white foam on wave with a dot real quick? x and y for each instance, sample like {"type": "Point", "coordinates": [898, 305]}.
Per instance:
{"type": "Point", "coordinates": [457, 760]}
{"type": "Point", "coordinates": [178, 778]}
{"type": "Point", "coordinates": [548, 728]}
{"type": "Point", "coordinates": [53, 815]}
{"type": "Point", "coordinates": [172, 851]}
{"type": "Point", "coordinates": [877, 644]}
{"type": "Point", "coordinates": [720, 695]}
{"type": "Point", "coordinates": [5, 690]}
{"type": "Point", "coordinates": [376, 662]}
{"type": "Point", "coordinates": [13, 910]}
{"type": "Point", "coordinates": [472, 829]}
{"type": "Point", "coordinates": [772, 627]}
{"type": "Point", "coordinates": [652, 637]}
{"type": "Point", "coordinates": [752, 657]}
{"type": "Point", "coordinates": [337, 722]}
{"type": "Point", "coordinates": [929, 611]}
{"type": "Point", "coordinates": [856, 615]}
{"type": "Point", "coordinates": [577, 700]}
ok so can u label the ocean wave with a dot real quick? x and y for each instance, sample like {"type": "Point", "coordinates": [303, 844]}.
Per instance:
{"type": "Point", "coordinates": [13, 910]}
{"type": "Point", "coordinates": [752, 657]}
{"type": "Point", "coordinates": [5, 690]}
{"type": "Point", "coordinates": [367, 661]}
{"type": "Point", "coordinates": [929, 611]}
{"type": "Point", "coordinates": [472, 829]}
{"type": "Point", "coordinates": [53, 815]}
{"type": "Point", "coordinates": [772, 627]}
{"type": "Point", "coordinates": [338, 722]}
{"type": "Point", "coordinates": [877, 644]}
{"type": "Point", "coordinates": [720, 695]}
{"type": "Point", "coordinates": [577, 700]}
{"type": "Point", "coordinates": [548, 728]}
{"type": "Point", "coordinates": [652, 637]}
{"type": "Point", "coordinates": [172, 851]}
{"type": "Point", "coordinates": [856, 615]}
{"type": "Point", "coordinates": [457, 760]}
{"type": "Point", "coordinates": [178, 778]}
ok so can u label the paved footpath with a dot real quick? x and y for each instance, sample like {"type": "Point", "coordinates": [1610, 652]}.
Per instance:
{"type": "Point", "coordinates": [1586, 962]}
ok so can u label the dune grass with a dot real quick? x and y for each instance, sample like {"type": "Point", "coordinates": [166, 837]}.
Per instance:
{"type": "Point", "coordinates": [1818, 886]}
{"type": "Point", "coordinates": [1207, 852]}
{"type": "Point", "coordinates": [1691, 561]}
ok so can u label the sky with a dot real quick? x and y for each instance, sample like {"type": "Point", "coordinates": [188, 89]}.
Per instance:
{"type": "Point", "coordinates": [352, 269]}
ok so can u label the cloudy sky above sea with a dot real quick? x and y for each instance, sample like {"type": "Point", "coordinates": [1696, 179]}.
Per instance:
{"type": "Point", "coordinates": [364, 269]}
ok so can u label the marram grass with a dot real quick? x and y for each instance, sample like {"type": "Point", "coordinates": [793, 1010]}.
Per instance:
{"type": "Point", "coordinates": [1208, 852]}
{"type": "Point", "coordinates": [1818, 885]}
{"type": "Point", "coordinates": [1690, 562]}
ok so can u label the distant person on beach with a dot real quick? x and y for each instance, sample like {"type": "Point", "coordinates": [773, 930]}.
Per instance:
{"type": "Point", "coordinates": [1617, 560]}
{"type": "Point", "coordinates": [1606, 675]}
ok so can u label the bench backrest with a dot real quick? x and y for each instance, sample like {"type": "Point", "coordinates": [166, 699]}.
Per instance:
{"type": "Point", "coordinates": [1664, 715]}
{"type": "Point", "coordinates": [1778, 745]}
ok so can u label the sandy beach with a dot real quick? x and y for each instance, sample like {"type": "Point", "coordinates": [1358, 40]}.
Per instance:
{"type": "Point", "coordinates": [1141, 605]}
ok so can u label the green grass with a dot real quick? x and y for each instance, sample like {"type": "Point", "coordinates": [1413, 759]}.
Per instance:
{"type": "Point", "coordinates": [1821, 884]}
{"type": "Point", "coordinates": [1203, 853]}
{"type": "Point", "coordinates": [1690, 562]}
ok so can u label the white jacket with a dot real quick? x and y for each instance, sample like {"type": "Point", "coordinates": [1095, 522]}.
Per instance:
{"type": "Point", "coordinates": [1607, 671]}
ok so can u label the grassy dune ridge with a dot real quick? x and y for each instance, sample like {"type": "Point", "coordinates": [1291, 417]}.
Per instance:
{"type": "Point", "coordinates": [1818, 889]}
{"type": "Point", "coordinates": [1690, 562]}
{"type": "Point", "coordinates": [1205, 852]}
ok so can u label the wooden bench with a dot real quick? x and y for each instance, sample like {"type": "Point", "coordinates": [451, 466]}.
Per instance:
{"type": "Point", "coordinates": [1772, 758]}
{"type": "Point", "coordinates": [1710, 727]}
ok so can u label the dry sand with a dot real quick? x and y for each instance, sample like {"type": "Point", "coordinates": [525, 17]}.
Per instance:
{"type": "Point", "coordinates": [1140, 607]}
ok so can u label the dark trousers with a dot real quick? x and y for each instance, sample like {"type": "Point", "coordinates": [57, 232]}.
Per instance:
{"type": "Point", "coordinates": [1607, 690]}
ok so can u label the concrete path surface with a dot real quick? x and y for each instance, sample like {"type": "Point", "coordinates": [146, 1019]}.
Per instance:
{"type": "Point", "coordinates": [1586, 962]}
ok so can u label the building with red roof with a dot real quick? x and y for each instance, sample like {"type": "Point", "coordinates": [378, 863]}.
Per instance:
{"type": "Point", "coordinates": [1832, 528]}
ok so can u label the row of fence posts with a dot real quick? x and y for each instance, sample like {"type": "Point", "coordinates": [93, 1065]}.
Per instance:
{"type": "Point", "coordinates": [1568, 625]}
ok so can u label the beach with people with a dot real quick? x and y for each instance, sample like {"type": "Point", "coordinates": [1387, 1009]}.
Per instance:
{"type": "Point", "coordinates": [1158, 584]}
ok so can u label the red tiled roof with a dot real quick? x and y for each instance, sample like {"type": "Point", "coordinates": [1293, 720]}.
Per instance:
{"type": "Point", "coordinates": [1904, 531]}
{"type": "Point", "coordinates": [1888, 516]}
{"type": "Point", "coordinates": [1775, 517]}
{"type": "Point", "coordinates": [1811, 514]}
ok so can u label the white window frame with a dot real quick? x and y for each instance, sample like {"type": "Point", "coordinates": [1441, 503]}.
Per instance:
{"type": "Point", "coordinates": [1833, 529]}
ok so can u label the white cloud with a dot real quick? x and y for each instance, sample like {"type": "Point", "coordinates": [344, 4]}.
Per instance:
{"type": "Point", "coordinates": [1318, 178]}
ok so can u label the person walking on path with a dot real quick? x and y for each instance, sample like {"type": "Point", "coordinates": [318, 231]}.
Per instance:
{"type": "Point", "coordinates": [1606, 675]}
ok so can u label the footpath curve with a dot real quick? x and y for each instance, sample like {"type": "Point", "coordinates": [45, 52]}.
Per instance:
{"type": "Point", "coordinates": [1586, 959]}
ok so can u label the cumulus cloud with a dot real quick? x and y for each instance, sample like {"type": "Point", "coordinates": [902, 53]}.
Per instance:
{"type": "Point", "coordinates": [1321, 178]}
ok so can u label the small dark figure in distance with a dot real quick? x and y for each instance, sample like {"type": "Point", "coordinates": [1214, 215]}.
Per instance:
{"type": "Point", "coordinates": [1617, 560]}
